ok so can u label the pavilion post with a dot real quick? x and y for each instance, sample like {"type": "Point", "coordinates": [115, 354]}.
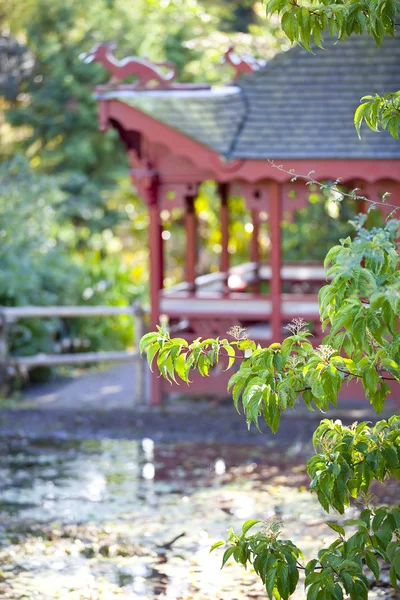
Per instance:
{"type": "Point", "coordinates": [255, 247]}
{"type": "Point", "coordinates": [223, 190]}
{"type": "Point", "coordinates": [161, 254]}
{"type": "Point", "coordinates": [275, 215]}
{"type": "Point", "coordinates": [156, 278]}
{"type": "Point", "coordinates": [191, 242]}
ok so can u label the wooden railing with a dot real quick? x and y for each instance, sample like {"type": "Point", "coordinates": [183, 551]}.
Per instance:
{"type": "Point", "coordinates": [9, 315]}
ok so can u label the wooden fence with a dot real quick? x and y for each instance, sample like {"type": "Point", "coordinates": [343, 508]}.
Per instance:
{"type": "Point", "coordinates": [9, 315]}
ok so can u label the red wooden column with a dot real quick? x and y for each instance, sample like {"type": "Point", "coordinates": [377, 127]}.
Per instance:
{"type": "Point", "coordinates": [275, 215]}
{"type": "Point", "coordinates": [156, 277]}
{"type": "Point", "coordinates": [223, 191]}
{"type": "Point", "coordinates": [161, 260]}
{"type": "Point", "coordinates": [191, 242]}
{"type": "Point", "coordinates": [255, 246]}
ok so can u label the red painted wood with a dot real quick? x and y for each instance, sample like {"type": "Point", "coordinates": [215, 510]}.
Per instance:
{"type": "Point", "coordinates": [251, 171]}
{"type": "Point", "coordinates": [155, 264]}
{"type": "Point", "coordinates": [145, 70]}
{"type": "Point", "coordinates": [168, 160]}
{"type": "Point", "coordinates": [191, 243]}
{"type": "Point", "coordinates": [242, 64]}
{"type": "Point", "coordinates": [275, 210]}
{"type": "Point", "coordinates": [223, 190]}
{"type": "Point", "coordinates": [161, 259]}
{"type": "Point", "coordinates": [174, 195]}
{"type": "Point", "coordinates": [255, 245]}
{"type": "Point", "coordinates": [156, 276]}
{"type": "Point", "coordinates": [347, 169]}
{"type": "Point", "coordinates": [254, 194]}
{"type": "Point", "coordinates": [159, 133]}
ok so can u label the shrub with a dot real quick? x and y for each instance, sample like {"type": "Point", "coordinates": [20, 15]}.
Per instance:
{"type": "Point", "coordinates": [360, 307]}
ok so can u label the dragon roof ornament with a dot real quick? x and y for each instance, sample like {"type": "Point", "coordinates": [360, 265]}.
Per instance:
{"type": "Point", "coordinates": [242, 64]}
{"type": "Point", "coordinates": [149, 74]}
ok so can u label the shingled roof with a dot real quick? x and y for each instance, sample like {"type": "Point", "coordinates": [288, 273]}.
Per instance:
{"type": "Point", "coordinates": [301, 105]}
{"type": "Point", "coordinates": [212, 117]}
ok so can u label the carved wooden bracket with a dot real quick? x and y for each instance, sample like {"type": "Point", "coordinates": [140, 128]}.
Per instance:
{"type": "Point", "coordinates": [149, 74]}
{"type": "Point", "coordinates": [174, 195]}
{"type": "Point", "coordinates": [143, 175]}
{"type": "Point", "coordinates": [242, 64]}
{"type": "Point", "coordinates": [256, 196]}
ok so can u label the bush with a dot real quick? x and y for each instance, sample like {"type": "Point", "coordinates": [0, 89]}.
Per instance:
{"type": "Point", "coordinates": [42, 265]}
{"type": "Point", "coordinates": [361, 308]}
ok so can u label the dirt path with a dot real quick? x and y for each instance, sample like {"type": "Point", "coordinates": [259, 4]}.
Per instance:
{"type": "Point", "coordinates": [109, 388]}
{"type": "Point", "coordinates": [103, 405]}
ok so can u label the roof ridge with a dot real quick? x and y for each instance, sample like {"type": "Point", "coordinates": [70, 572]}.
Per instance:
{"type": "Point", "coordinates": [241, 124]}
{"type": "Point", "coordinates": [295, 52]}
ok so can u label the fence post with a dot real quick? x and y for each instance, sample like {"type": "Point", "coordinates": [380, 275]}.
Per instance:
{"type": "Point", "coordinates": [3, 353]}
{"type": "Point", "coordinates": [139, 325]}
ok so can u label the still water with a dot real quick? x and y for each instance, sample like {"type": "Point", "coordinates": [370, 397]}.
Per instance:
{"type": "Point", "coordinates": [95, 520]}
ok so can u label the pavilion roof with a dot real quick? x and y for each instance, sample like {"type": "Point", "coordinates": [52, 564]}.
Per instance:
{"type": "Point", "coordinates": [300, 105]}
{"type": "Point", "coordinates": [211, 117]}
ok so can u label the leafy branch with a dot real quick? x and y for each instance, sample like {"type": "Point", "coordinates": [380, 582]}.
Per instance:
{"type": "Point", "coordinates": [349, 458]}
{"type": "Point", "coordinates": [359, 307]}
{"type": "Point", "coordinates": [338, 569]}
{"type": "Point", "coordinates": [379, 110]}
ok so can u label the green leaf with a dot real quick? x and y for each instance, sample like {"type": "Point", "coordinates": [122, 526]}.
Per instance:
{"type": "Point", "coordinates": [231, 354]}
{"type": "Point", "coordinates": [393, 127]}
{"type": "Point", "coordinates": [289, 25]}
{"type": "Point", "coordinates": [313, 591]}
{"type": "Point", "coordinates": [359, 116]}
{"type": "Point", "coordinates": [147, 340]}
{"type": "Point", "coordinates": [270, 581]}
{"type": "Point", "coordinates": [181, 368]}
{"type": "Point", "coordinates": [227, 554]}
{"type": "Point", "coordinates": [396, 563]}
{"type": "Point", "coordinates": [272, 413]}
{"type": "Point", "coordinates": [248, 525]}
{"type": "Point", "coordinates": [217, 545]}
{"type": "Point", "coordinates": [151, 352]}
{"type": "Point", "coordinates": [336, 527]}
{"type": "Point", "coordinates": [372, 563]}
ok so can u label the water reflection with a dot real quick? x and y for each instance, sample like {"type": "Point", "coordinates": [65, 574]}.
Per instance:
{"type": "Point", "coordinates": [101, 519]}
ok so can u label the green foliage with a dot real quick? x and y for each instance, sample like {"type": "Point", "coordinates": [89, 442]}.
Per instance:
{"type": "Point", "coordinates": [337, 570]}
{"type": "Point", "coordinates": [341, 18]}
{"type": "Point", "coordinates": [315, 228]}
{"type": "Point", "coordinates": [306, 23]}
{"type": "Point", "coordinates": [351, 457]}
{"type": "Point", "coordinates": [53, 111]}
{"type": "Point", "coordinates": [96, 251]}
{"type": "Point", "coordinates": [38, 268]}
{"type": "Point", "coordinates": [360, 306]}
{"type": "Point", "coordinates": [379, 110]}
{"type": "Point", "coordinates": [275, 561]}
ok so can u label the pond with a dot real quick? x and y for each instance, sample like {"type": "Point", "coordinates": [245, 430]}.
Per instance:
{"type": "Point", "coordinates": [88, 520]}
